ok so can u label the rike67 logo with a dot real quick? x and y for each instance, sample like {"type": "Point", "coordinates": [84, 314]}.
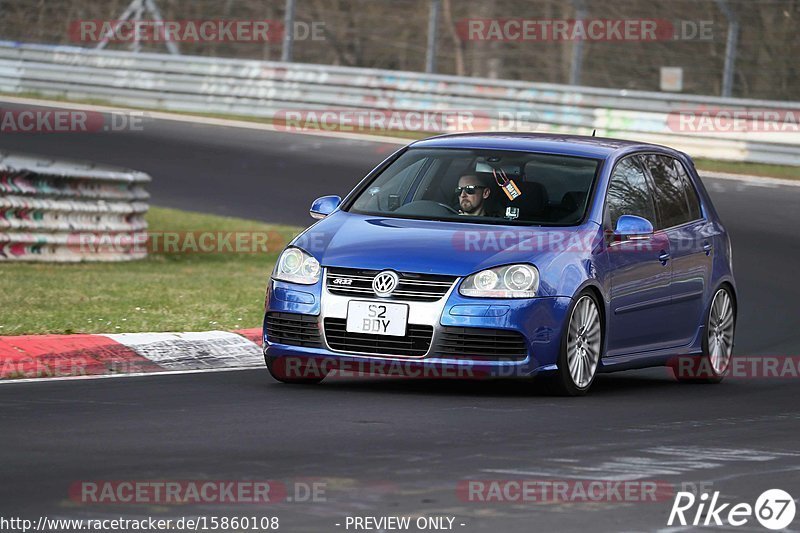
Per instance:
{"type": "Point", "coordinates": [774, 509]}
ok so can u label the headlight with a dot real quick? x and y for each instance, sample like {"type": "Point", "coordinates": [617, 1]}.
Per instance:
{"type": "Point", "coordinates": [512, 281]}
{"type": "Point", "coordinates": [296, 266]}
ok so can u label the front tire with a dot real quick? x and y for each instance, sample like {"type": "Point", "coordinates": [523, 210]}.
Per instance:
{"type": "Point", "coordinates": [581, 347]}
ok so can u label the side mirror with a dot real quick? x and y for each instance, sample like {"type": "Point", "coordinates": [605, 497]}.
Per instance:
{"type": "Point", "coordinates": [324, 206]}
{"type": "Point", "coordinates": [633, 227]}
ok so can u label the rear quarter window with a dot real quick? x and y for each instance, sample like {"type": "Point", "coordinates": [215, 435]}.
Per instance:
{"type": "Point", "coordinates": [675, 196]}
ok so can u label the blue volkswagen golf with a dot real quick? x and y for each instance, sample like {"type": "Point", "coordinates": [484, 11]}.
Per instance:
{"type": "Point", "coordinates": [509, 255]}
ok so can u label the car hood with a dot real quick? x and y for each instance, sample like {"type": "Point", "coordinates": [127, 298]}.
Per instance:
{"type": "Point", "coordinates": [350, 240]}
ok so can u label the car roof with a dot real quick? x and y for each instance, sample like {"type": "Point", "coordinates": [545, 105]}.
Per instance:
{"type": "Point", "coordinates": [576, 145]}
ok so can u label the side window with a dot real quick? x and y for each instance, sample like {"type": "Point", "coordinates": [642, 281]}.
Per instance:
{"type": "Point", "coordinates": [691, 193]}
{"type": "Point", "coordinates": [628, 193]}
{"type": "Point", "coordinates": [676, 199]}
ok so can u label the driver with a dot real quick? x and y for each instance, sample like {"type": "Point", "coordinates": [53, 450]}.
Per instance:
{"type": "Point", "coordinates": [472, 194]}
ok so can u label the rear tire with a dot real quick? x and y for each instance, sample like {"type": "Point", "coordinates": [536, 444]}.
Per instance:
{"type": "Point", "coordinates": [581, 347]}
{"type": "Point", "coordinates": [713, 364]}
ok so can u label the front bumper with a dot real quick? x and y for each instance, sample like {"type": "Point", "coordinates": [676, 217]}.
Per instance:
{"type": "Point", "coordinates": [540, 321]}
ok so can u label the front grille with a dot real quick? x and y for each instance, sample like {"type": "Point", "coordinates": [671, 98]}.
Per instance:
{"type": "Point", "coordinates": [415, 343]}
{"type": "Point", "coordinates": [480, 344]}
{"type": "Point", "coordinates": [294, 329]}
{"type": "Point", "coordinates": [412, 287]}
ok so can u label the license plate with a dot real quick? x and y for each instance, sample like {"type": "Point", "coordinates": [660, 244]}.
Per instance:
{"type": "Point", "coordinates": [377, 318]}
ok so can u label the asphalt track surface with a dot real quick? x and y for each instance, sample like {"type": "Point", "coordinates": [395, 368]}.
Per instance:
{"type": "Point", "coordinates": [396, 446]}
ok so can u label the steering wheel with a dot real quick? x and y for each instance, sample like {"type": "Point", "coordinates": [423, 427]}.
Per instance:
{"type": "Point", "coordinates": [449, 208]}
{"type": "Point", "coordinates": [425, 208]}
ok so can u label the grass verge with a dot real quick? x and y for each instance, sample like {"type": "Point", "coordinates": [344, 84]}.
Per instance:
{"type": "Point", "coordinates": [165, 292]}
{"type": "Point", "coordinates": [752, 169]}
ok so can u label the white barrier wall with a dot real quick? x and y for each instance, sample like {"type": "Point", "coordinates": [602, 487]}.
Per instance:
{"type": "Point", "coordinates": [754, 130]}
{"type": "Point", "coordinates": [66, 211]}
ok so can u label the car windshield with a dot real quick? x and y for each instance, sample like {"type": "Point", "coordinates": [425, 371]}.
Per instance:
{"type": "Point", "coordinates": [482, 186]}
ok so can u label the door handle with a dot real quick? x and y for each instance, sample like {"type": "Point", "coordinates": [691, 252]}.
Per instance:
{"type": "Point", "coordinates": [663, 257]}
{"type": "Point", "coordinates": [707, 247]}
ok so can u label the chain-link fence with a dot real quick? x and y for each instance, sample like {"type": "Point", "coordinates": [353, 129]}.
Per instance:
{"type": "Point", "coordinates": [622, 44]}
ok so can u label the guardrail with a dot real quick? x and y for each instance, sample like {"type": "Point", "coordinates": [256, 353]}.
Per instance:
{"type": "Point", "coordinates": [67, 211]}
{"type": "Point", "coordinates": [269, 89]}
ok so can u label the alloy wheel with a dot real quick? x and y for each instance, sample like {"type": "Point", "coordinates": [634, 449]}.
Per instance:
{"type": "Point", "coordinates": [583, 342]}
{"type": "Point", "coordinates": [720, 331]}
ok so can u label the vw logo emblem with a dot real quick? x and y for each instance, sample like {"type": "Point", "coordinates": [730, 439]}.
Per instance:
{"type": "Point", "coordinates": [385, 283]}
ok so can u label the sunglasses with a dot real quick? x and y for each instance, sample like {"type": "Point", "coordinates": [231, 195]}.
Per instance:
{"type": "Point", "coordinates": [469, 189]}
